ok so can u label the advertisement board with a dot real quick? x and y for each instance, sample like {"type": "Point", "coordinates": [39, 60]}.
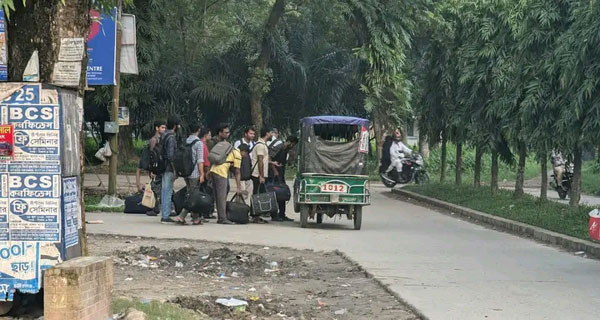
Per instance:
{"type": "Point", "coordinates": [102, 47]}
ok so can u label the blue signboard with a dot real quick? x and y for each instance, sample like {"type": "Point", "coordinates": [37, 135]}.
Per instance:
{"type": "Point", "coordinates": [19, 268]}
{"type": "Point", "coordinates": [102, 47]}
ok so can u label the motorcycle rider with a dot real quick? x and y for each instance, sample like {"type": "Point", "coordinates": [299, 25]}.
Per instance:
{"type": "Point", "coordinates": [398, 152]}
{"type": "Point", "coordinates": [558, 166]}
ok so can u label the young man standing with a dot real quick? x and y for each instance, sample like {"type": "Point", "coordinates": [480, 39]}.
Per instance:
{"type": "Point", "coordinates": [205, 136]}
{"type": "Point", "coordinates": [197, 177]}
{"type": "Point", "coordinates": [277, 173]}
{"type": "Point", "coordinates": [220, 177]}
{"type": "Point", "coordinates": [247, 139]}
{"type": "Point", "coordinates": [169, 148]}
{"type": "Point", "coordinates": [260, 163]}
{"type": "Point", "coordinates": [159, 128]}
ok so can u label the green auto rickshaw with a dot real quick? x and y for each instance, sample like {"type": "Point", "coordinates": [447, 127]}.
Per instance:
{"type": "Point", "coordinates": [332, 174]}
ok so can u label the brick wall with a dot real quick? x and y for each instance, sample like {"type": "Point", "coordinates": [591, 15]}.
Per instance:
{"type": "Point", "coordinates": [79, 289]}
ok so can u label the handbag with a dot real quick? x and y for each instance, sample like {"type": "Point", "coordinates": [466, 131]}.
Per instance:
{"type": "Point", "coordinates": [148, 200]}
{"type": "Point", "coordinates": [265, 202]}
{"type": "Point", "coordinates": [237, 210]}
{"type": "Point", "coordinates": [198, 200]}
{"type": "Point", "coordinates": [281, 189]}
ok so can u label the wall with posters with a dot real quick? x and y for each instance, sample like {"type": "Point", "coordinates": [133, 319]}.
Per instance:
{"type": "Point", "coordinates": [39, 215]}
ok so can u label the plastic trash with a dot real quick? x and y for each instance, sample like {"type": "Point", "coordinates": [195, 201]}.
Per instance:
{"type": "Point", "coordinates": [340, 312]}
{"type": "Point", "coordinates": [178, 264]}
{"type": "Point", "coordinates": [109, 201]}
{"type": "Point", "coordinates": [231, 302]}
{"type": "Point", "coordinates": [594, 224]}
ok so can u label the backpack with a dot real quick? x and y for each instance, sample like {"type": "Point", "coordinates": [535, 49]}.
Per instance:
{"type": "Point", "coordinates": [218, 154]}
{"type": "Point", "coordinates": [274, 148]}
{"type": "Point", "coordinates": [157, 162]}
{"type": "Point", "coordinates": [246, 167]}
{"type": "Point", "coordinates": [184, 159]}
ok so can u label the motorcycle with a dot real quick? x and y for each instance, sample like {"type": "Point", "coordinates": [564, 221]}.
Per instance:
{"type": "Point", "coordinates": [413, 169]}
{"type": "Point", "coordinates": [565, 186]}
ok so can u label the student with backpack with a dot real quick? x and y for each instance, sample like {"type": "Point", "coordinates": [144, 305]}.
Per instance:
{"type": "Point", "coordinates": [168, 148]}
{"type": "Point", "coordinates": [189, 163]}
{"type": "Point", "coordinates": [205, 136]}
{"type": "Point", "coordinates": [277, 174]}
{"type": "Point", "coordinates": [248, 140]}
{"type": "Point", "coordinates": [223, 158]}
{"type": "Point", "coordinates": [144, 164]}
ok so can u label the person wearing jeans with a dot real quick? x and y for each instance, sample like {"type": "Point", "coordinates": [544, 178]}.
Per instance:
{"type": "Point", "coordinates": [169, 148]}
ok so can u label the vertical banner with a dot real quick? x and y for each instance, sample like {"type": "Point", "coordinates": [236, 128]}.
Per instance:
{"type": "Point", "coordinates": [102, 48]}
{"type": "Point", "coordinates": [3, 48]}
{"type": "Point", "coordinates": [71, 211]}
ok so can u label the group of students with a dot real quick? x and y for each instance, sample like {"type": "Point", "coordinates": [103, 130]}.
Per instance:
{"type": "Point", "coordinates": [251, 162]}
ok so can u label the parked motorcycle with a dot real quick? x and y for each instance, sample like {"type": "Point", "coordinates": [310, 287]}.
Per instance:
{"type": "Point", "coordinates": [413, 170]}
{"type": "Point", "coordinates": [565, 186]}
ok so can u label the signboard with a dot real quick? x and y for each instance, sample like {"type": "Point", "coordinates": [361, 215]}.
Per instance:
{"type": "Point", "coordinates": [6, 142]}
{"type": "Point", "coordinates": [3, 48]}
{"type": "Point", "coordinates": [102, 46]}
{"type": "Point", "coordinates": [363, 147]}
{"type": "Point", "coordinates": [71, 211]}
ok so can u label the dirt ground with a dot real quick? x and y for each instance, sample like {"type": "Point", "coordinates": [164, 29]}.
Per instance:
{"type": "Point", "coordinates": [277, 283]}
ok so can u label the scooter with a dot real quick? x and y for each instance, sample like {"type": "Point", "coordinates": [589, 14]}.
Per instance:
{"type": "Point", "coordinates": [565, 186]}
{"type": "Point", "coordinates": [413, 170]}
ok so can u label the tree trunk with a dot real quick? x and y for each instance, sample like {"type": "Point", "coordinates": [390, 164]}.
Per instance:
{"type": "Point", "coordinates": [519, 184]}
{"type": "Point", "coordinates": [423, 145]}
{"type": "Point", "coordinates": [379, 137]}
{"type": "Point", "coordinates": [544, 166]}
{"type": "Point", "coordinates": [126, 149]}
{"type": "Point", "coordinates": [459, 163]}
{"type": "Point", "coordinates": [575, 195]}
{"type": "Point", "coordinates": [477, 169]}
{"type": "Point", "coordinates": [40, 26]}
{"type": "Point", "coordinates": [494, 175]}
{"type": "Point", "coordinates": [260, 82]}
{"type": "Point", "coordinates": [444, 160]}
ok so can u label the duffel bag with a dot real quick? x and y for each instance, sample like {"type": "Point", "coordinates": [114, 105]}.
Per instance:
{"type": "Point", "coordinates": [281, 189]}
{"type": "Point", "coordinates": [198, 200]}
{"type": "Point", "coordinates": [133, 204]}
{"type": "Point", "coordinates": [237, 210]}
{"type": "Point", "coordinates": [264, 202]}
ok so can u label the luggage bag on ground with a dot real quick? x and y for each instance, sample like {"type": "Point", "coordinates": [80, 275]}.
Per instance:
{"type": "Point", "coordinates": [237, 211]}
{"type": "Point", "coordinates": [133, 204]}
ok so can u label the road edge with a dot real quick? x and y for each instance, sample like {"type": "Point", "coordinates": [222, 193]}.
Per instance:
{"type": "Point", "coordinates": [518, 228]}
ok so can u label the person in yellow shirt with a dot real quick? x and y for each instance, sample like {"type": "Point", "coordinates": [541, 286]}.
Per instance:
{"type": "Point", "coordinates": [220, 175]}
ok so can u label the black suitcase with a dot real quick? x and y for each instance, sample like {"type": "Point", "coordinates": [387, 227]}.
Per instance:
{"type": "Point", "coordinates": [179, 200]}
{"type": "Point", "coordinates": [133, 204]}
{"type": "Point", "coordinates": [237, 211]}
{"type": "Point", "coordinates": [281, 189]}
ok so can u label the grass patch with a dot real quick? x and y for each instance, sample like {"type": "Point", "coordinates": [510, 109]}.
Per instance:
{"type": "Point", "coordinates": [528, 209]}
{"type": "Point", "coordinates": [590, 179]}
{"type": "Point", "coordinates": [91, 204]}
{"type": "Point", "coordinates": [155, 310]}
{"type": "Point", "coordinates": [506, 172]}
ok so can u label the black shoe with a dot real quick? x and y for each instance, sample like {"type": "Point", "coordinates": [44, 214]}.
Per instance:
{"type": "Point", "coordinates": [224, 222]}
{"type": "Point", "coordinates": [284, 218]}
{"type": "Point", "coordinates": [276, 219]}
{"type": "Point", "coordinates": [210, 217]}
{"type": "Point", "coordinates": [167, 220]}
{"type": "Point", "coordinates": [152, 213]}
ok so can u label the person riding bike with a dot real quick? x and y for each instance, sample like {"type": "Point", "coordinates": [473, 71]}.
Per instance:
{"type": "Point", "coordinates": [559, 166]}
{"type": "Point", "coordinates": [398, 152]}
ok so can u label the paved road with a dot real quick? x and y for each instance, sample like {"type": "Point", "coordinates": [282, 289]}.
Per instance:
{"type": "Point", "coordinates": [445, 267]}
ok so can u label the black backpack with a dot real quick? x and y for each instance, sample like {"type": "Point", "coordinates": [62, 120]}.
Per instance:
{"type": "Point", "coordinates": [184, 159]}
{"type": "Point", "coordinates": [157, 160]}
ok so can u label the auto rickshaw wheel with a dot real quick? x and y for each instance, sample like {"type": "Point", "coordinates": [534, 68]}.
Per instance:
{"type": "Point", "coordinates": [304, 215]}
{"type": "Point", "coordinates": [357, 217]}
{"type": "Point", "coordinates": [319, 218]}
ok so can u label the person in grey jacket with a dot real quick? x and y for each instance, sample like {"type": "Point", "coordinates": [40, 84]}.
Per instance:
{"type": "Point", "coordinates": [169, 148]}
{"type": "Point", "coordinates": [196, 179]}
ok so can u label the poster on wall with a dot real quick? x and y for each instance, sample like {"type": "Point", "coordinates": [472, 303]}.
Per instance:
{"type": "Point", "coordinates": [6, 142]}
{"type": "Point", "coordinates": [71, 211]}
{"type": "Point", "coordinates": [3, 48]}
{"type": "Point", "coordinates": [19, 268]}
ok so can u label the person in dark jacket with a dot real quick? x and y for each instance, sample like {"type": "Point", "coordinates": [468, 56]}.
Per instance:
{"type": "Point", "coordinates": [277, 173]}
{"type": "Point", "coordinates": [168, 143]}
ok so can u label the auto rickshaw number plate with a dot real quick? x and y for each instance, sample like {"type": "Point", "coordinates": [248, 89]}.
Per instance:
{"type": "Point", "coordinates": [331, 187]}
